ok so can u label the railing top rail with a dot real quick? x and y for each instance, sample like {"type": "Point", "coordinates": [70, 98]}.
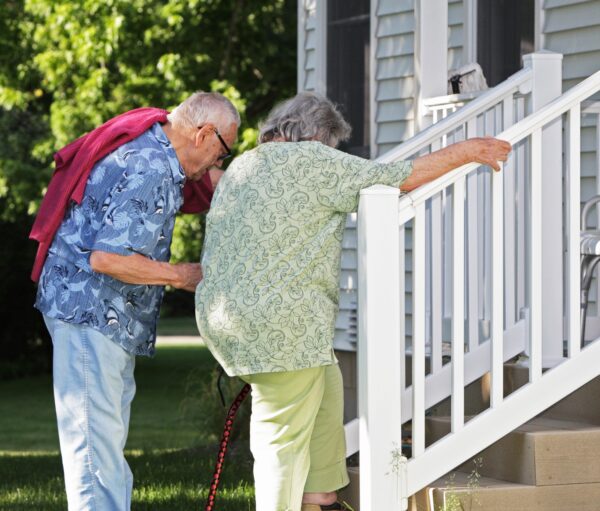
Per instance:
{"type": "Point", "coordinates": [450, 99]}
{"type": "Point", "coordinates": [475, 107]}
{"type": "Point", "coordinates": [514, 134]}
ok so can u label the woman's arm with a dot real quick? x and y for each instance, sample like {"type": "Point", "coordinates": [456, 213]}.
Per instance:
{"type": "Point", "coordinates": [487, 151]}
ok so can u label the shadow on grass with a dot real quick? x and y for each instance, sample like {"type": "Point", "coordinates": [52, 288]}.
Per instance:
{"type": "Point", "coordinates": [175, 480]}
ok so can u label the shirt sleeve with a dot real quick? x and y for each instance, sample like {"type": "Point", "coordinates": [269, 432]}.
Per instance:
{"type": "Point", "coordinates": [137, 208]}
{"type": "Point", "coordinates": [339, 177]}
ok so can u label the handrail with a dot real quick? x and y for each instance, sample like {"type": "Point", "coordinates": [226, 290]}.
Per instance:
{"type": "Point", "coordinates": [449, 99]}
{"type": "Point", "coordinates": [475, 107]}
{"type": "Point", "coordinates": [514, 134]}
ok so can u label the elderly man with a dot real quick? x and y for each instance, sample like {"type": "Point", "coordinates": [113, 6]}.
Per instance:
{"type": "Point", "coordinates": [102, 281]}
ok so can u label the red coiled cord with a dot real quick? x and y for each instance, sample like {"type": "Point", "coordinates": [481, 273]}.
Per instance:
{"type": "Point", "coordinates": [214, 485]}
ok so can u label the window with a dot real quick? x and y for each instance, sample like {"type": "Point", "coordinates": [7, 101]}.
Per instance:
{"type": "Point", "coordinates": [348, 37]}
{"type": "Point", "coordinates": [505, 32]}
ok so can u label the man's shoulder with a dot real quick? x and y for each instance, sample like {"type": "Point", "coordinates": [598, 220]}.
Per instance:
{"type": "Point", "coordinates": [153, 138]}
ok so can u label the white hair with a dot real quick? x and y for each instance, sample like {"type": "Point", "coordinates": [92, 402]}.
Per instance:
{"type": "Point", "coordinates": [202, 108]}
{"type": "Point", "coordinates": [306, 116]}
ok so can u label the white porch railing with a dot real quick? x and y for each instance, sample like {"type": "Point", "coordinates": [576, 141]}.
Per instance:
{"type": "Point", "coordinates": [442, 106]}
{"type": "Point", "coordinates": [488, 113]}
{"type": "Point", "coordinates": [388, 479]}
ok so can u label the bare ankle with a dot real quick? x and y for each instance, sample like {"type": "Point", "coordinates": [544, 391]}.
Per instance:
{"type": "Point", "coordinates": [323, 499]}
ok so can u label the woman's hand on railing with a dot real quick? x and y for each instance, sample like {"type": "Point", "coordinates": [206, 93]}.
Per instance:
{"type": "Point", "coordinates": [489, 151]}
{"type": "Point", "coordinates": [486, 150]}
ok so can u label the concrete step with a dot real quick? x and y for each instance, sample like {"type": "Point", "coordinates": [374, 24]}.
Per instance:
{"type": "Point", "coordinates": [542, 452]}
{"type": "Point", "coordinates": [458, 491]}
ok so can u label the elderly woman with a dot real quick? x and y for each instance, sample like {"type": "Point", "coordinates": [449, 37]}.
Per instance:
{"type": "Point", "coordinates": [268, 301]}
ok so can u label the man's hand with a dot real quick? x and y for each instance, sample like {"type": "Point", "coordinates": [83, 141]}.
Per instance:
{"type": "Point", "coordinates": [137, 269]}
{"type": "Point", "coordinates": [190, 274]}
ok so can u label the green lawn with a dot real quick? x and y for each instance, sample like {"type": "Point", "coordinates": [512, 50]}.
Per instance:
{"type": "Point", "coordinates": [177, 326]}
{"type": "Point", "coordinates": [175, 425]}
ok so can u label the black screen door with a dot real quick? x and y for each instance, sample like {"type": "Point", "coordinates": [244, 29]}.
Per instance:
{"type": "Point", "coordinates": [505, 32]}
{"type": "Point", "coordinates": [348, 29]}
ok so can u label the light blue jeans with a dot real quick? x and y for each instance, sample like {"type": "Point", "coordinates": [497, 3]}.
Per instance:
{"type": "Point", "coordinates": [93, 390]}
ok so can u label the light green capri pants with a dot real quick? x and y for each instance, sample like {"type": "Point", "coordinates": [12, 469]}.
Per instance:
{"type": "Point", "coordinates": [297, 435]}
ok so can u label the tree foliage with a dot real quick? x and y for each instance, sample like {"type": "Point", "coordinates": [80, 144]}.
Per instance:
{"type": "Point", "coordinates": [68, 65]}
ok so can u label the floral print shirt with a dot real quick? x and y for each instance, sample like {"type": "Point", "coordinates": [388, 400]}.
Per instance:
{"type": "Point", "coordinates": [129, 207]}
{"type": "Point", "coordinates": [271, 257]}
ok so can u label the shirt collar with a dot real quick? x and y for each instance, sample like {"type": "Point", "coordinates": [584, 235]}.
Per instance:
{"type": "Point", "coordinates": [174, 165]}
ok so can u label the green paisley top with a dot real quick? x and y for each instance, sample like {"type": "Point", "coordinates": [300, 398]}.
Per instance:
{"type": "Point", "coordinates": [271, 258]}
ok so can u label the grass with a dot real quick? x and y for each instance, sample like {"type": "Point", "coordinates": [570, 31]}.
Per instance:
{"type": "Point", "coordinates": [170, 449]}
{"type": "Point", "coordinates": [185, 325]}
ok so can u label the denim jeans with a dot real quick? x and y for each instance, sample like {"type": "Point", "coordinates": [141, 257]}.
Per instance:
{"type": "Point", "coordinates": [93, 390]}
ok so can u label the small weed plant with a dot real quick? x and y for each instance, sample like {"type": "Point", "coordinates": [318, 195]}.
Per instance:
{"type": "Point", "coordinates": [465, 501]}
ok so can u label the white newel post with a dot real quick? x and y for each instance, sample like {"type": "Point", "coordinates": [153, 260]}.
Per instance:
{"type": "Point", "coordinates": [431, 54]}
{"type": "Point", "coordinates": [546, 86]}
{"type": "Point", "coordinates": [379, 357]}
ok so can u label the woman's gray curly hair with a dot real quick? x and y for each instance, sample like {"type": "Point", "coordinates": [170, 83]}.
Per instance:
{"type": "Point", "coordinates": [306, 116]}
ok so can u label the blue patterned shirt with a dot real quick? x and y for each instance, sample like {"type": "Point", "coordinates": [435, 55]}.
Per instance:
{"type": "Point", "coordinates": [129, 207]}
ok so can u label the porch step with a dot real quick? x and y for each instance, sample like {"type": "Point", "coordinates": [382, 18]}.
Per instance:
{"type": "Point", "coordinates": [546, 464]}
{"type": "Point", "coordinates": [457, 491]}
{"type": "Point", "coordinates": [575, 406]}
{"type": "Point", "coordinates": [542, 452]}
{"type": "Point", "coordinates": [551, 463]}
{"type": "Point", "coordinates": [582, 405]}
{"type": "Point", "coordinates": [462, 491]}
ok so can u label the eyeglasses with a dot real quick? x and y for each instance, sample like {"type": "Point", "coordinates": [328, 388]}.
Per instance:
{"type": "Point", "coordinates": [227, 153]}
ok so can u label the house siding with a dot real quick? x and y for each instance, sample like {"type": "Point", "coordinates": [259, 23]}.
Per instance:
{"type": "Point", "coordinates": [393, 122]}
{"type": "Point", "coordinates": [307, 48]}
{"type": "Point", "coordinates": [394, 73]}
{"type": "Point", "coordinates": [572, 27]}
{"type": "Point", "coordinates": [456, 34]}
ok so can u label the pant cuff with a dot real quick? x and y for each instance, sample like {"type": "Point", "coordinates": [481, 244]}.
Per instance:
{"type": "Point", "coordinates": [327, 479]}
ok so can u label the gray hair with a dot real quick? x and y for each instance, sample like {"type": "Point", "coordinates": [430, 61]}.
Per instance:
{"type": "Point", "coordinates": [201, 108]}
{"type": "Point", "coordinates": [306, 116]}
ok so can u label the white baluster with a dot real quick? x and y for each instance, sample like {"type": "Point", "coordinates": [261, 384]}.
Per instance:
{"type": "Point", "coordinates": [535, 265]}
{"type": "Point", "coordinates": [510, 207]}
{"type": "Point", "coordinates": [497, 280]}
{"type": "Point", "coordinates": [418, 339]}
{"type": "Point", "coordinates": [485, 288]}
{"type": "Point", "coordinates": [573, 226]}
{"type": "Point", "coordinates": [522, 199]}
{"type": "Point", "coordinates": [458, 305]}
{"type": "Point", "coordinates": [472, 247]}
{"type": "Point", "coordinates": [437, 313]}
